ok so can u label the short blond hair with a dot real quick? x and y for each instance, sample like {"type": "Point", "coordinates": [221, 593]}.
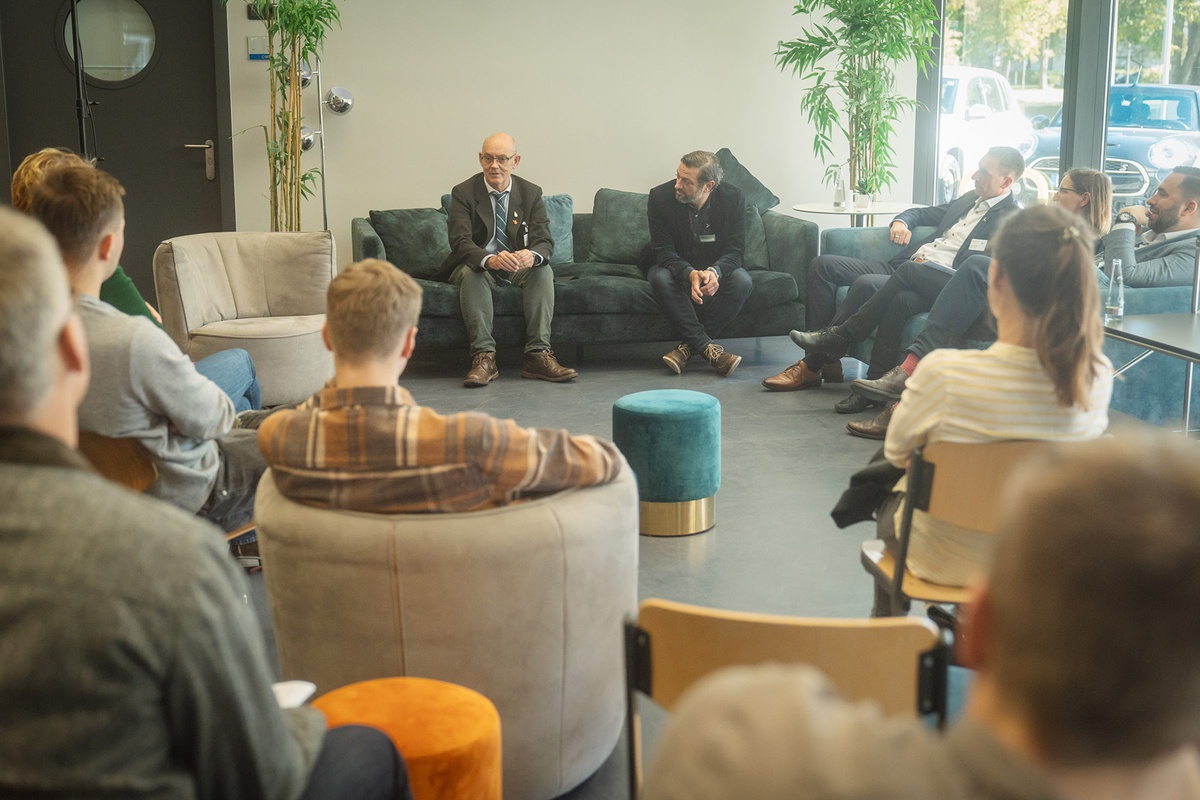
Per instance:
{"type": "Point", "coordinates": [35, 165]}
{"type": "Point", "coordinates": [370, 307]}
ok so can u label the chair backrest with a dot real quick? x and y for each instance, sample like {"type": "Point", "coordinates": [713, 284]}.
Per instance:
{"type": "Point", "coordinates": [876, 659]}
{"type": "Point", "coordinates": [211, 277]}
{"type": "Point", "coordinates": [125, 461]}
{"type": "Point", "coordinates": [886, 660]}
{"type": "Point", "coordinates": [960, 483]}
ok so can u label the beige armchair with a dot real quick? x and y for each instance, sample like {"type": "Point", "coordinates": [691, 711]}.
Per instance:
{"type": "Point", "coordinates": [524, 604]}
{"type": "Point", "coordinates": [264, 292]}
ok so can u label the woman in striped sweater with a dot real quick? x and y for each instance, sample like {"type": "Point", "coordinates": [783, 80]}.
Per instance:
{"type": "Point", "coordinates": [1044, 378]}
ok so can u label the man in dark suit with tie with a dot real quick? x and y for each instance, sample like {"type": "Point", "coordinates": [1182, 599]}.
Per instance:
{"type": "Point", "coordinates": [500, 234]}
{"type": "Point", "coordinates": [918, 273]}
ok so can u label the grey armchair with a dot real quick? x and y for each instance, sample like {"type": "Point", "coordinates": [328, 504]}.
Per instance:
{"type": "Point", "coordinates": [264, 292]}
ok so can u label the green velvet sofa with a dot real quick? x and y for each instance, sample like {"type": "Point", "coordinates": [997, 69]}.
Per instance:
{"type": "Point", "coordinates": [600, 295]}
{"type": "Point", "coordinates": [1151, 391]}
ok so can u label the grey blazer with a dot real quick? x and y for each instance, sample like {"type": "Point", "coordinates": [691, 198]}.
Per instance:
{"type": "Point", "coordinates": [1169, 263]}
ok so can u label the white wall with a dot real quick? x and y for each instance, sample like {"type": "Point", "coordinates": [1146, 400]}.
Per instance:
{"type": "Point", "coordinates": [596, 94]}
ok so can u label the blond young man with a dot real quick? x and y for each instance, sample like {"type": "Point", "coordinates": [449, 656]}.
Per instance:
{"type": "Point", "coordinates": [380, 451]}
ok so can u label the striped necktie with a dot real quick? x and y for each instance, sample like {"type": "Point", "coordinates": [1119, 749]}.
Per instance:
{"type": "Point", "coordinates": [501, 219]}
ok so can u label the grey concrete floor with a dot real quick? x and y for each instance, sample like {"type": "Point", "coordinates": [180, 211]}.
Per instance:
{"type": "Point", "coordinates": [786, 457]}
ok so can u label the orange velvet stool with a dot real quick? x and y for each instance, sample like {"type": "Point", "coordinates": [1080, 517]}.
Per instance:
{"type": "Point", "coordinates": [449, 735]}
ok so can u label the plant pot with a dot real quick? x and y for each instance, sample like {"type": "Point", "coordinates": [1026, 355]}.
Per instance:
{"type": "Point", "coordinates": [862, 202]}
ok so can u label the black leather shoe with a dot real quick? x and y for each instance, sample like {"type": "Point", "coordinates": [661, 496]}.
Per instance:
{"type": "Point", "coordinates": [887, 388]}
{"type": "Point", "coordinates": [854, 403]}
{"type": "Point", "coordinates": [875, 428]}
{"type": "Point", "coordinates": [827, 341]}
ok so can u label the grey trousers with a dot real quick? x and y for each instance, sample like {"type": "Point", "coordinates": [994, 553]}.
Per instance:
{"type": "Point", "coordinates": [475, 301]}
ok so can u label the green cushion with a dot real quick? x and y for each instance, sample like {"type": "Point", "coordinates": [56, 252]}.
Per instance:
{"type": "Point", "coordinates": [754, 256]}
{"type": "Point", "coordinates": [757, 195]}
{"type": "Point", "coordinates": [560, 209]}
{"type": "Point", "coordinates": [414, 239]}
{"type": "Point", "coordinates": [672, 440]}
{"type": "Point", "coordinates": [620, 228]}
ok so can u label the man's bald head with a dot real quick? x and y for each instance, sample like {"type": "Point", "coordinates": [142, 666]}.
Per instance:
{"type": "Point", "coordinates": [498, 158]}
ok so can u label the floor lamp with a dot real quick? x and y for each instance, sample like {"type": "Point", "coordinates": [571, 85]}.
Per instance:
{"type": "Point", "coordinates": [339, 101]}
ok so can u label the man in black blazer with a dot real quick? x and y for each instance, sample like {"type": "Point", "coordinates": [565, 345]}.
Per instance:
{"type": "Point", "coordinates": [918, 273]}
{"type": "Point", "coordinates": [484, 255]}
{"type": "Point", "coordinates": [694, 258]}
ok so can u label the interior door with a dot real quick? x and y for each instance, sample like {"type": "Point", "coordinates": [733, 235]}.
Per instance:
{"type": "Point", "coordinates": [142, 121]}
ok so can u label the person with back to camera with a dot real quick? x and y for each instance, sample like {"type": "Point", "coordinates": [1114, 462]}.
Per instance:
{"type": "Point", "coordinates": [1044, 378]}
{"type": "Point", "coordinates": [1084, 644]}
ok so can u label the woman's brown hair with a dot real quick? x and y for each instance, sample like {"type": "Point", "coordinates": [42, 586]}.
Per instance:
{"type": "Point", "coordinates": [1099, 187]}
{"type": "Point", "coordinates": [1046, 255]}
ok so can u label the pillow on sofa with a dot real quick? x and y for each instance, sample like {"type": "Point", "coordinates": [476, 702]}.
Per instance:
{"type": "Point", "coordinates": [560, 209]}
{"type": "Point", "coordinates": [757, 195]}
{"type": "Point", "coordinates": [620, 228]}
{"type": "Point", "coordinates": [414, 239]}
{"type": "Point", "coordinates": [755, 255]}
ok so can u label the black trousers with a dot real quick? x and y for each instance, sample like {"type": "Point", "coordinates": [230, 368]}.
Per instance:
{"type": "Point", "coordinates": [960, 309]}
{"type": "Point", "coordinates": [357, 763]}
{"type": "Point", "coordinates": [699, 324]}
{"type": "Point", "coordinates": [826, 274]}
{"type": "Point", "coordinates": [912, 289]}
{"type": "Point", "coordinates": [862, 290]}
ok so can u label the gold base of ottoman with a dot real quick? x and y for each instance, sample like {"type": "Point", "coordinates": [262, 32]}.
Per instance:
{"type": "Point", "coordinates": [678, 519]}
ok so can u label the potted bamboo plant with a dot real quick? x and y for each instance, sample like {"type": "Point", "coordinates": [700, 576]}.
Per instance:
{"type": "Point", "coordinates": [847, 62]}
{"type": "Point", "coordinates": [296, 32]}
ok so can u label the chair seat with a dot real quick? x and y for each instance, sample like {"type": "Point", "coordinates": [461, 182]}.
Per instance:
{"type": "Point", "coordinates": [262, 327]}
{"type": "Point", "coordinates": [880, 563]}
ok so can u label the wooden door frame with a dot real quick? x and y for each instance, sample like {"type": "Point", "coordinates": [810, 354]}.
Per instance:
{"type": "Point", "coordinates": [224, 141]}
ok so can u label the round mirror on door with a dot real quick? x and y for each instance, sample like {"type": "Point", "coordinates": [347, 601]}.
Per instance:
{"type": "Point", "coordinates": [116, 38]}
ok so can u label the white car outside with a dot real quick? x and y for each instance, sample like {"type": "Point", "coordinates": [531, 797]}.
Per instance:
{"type": "Point", "coordinates": [978, 111]}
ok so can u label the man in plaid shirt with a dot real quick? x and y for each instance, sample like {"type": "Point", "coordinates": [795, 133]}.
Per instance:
{"type": "Point", "coordinates": [362, 442]}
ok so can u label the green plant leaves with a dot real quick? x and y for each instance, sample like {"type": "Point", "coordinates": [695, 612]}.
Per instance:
{"type": "Point", "coordinates": [857, 97]}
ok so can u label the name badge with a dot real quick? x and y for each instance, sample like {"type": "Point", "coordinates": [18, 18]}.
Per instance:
{"type": "Point", "coordinates": [977, 245]}
{"type": "Point", "coordinates": [707, 238]}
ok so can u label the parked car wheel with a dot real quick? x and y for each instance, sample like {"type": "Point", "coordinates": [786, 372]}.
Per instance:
{"type": "Point", "coordinates": [949, 179]}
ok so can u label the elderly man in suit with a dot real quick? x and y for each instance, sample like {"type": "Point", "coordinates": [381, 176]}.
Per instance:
{"type": "Point", "coordinates": [500, 234]}
{"type": "Point", "coordinates": [919, 272]}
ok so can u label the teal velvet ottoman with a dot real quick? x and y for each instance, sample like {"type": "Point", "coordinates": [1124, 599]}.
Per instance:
{"type": "Point", "coordinates": [672, 440]}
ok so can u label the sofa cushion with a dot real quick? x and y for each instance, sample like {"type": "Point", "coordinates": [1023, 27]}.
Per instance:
{"type": "Point", "coordinates": [560, 209]}
{"type": "Point", "coordinates": [770, 289]}
{"type": "Point", "coordinates": [414, 239]}
{"type": "Point", "coordinates": [754, 255]}
{"type": "Point", "coordinates": [757, 195]}
{"type": "Point", "coordinates": [620, 228]}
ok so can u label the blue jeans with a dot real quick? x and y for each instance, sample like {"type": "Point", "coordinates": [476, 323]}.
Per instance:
{"type": "Point", "coordinates": [233, 371]}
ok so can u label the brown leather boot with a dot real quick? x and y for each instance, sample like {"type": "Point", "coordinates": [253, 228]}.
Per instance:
{"type": "Point", "coordinates": [483, 370]}
{"type": "Point", "coordinates": [797, 376]}
{"type": "Point", "coordinates": [542, 364]}
{"type": "Point", "coordinates": [677, 359]}
{"type": "Point", "coordinates": [722, 361]}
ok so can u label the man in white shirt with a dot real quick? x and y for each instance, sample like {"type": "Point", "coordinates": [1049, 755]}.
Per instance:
{"type": "Point", "coordinates": [919, 271]}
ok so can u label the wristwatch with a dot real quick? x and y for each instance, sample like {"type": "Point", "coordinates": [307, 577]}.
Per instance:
{"type": "Point", "coordinates": [1125, 216]}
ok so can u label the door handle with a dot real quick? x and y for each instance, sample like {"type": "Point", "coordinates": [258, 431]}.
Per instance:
{"type": "Point", "coordinates": [210, 164]}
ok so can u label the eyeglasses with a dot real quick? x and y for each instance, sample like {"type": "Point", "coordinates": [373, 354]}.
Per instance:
{"type": "Point", "coordinates": [1067, 189]}
{"type": "Point", "coordinates": [486, 159]}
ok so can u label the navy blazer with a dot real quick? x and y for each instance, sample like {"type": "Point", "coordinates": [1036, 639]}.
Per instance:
{"type": "Point", "coordinates": [944, 217]}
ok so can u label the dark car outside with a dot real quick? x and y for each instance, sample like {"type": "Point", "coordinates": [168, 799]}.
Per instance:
{"type": "Point", "coordinates": [1151, 129]}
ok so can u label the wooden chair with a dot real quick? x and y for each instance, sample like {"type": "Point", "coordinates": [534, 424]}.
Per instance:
{"type": "Point", "coordinates": [129, 463]}
{"type": "Point", "coordinates": [124, 461]}
{"type": "Point", "coordinates": [898, 663]}
{"type": "Point", "coordinates": [953, 483]}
